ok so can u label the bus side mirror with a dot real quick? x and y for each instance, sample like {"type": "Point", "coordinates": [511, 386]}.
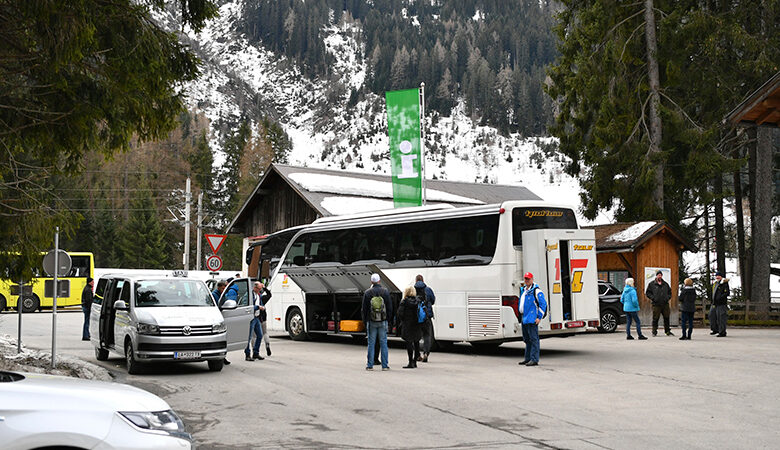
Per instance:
{"type": "Point", "coordinates": [120, 305]}
{"type": "Point", "coordinates": [228, 304]}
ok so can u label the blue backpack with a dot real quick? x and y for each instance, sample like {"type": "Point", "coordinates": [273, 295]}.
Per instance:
{"type": "Point", "coordinates": [421, 314]}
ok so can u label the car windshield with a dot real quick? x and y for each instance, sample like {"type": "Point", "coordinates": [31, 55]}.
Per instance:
{"type": "Point", "coordinates": [172, 292]}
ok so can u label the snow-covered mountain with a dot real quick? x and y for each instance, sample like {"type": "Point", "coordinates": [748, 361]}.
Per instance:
{"type": "Point", "coordinates": [241, 78]}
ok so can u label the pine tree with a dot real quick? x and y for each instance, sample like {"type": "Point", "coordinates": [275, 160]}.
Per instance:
{"type": "Point", "coordinates": [142, 240]}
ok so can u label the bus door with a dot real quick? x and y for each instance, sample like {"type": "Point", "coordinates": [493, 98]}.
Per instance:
{"type": "Point", "coordinates": [553, 278]}
{"type": "Point", "coordinates": [584, 276]}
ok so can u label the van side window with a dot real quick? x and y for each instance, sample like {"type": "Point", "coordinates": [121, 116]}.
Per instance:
{"type": "Point", "coordinates": [99, 291]}
{"type": "Point", "coordinates": [238, 291]}
{"type": "Point", "coordinates": [125, 296]}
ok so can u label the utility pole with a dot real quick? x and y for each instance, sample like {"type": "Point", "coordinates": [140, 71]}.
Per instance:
{"type": "Point", "coordinates": [200, 230]}
{"type": "Point", "coordinates": [188, 201]}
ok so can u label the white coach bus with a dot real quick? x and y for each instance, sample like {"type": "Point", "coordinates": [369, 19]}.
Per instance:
{"type": "Point", "coordinates": [473, 258]}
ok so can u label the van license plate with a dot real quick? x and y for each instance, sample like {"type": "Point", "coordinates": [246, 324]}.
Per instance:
{"type": "Point", "coordinates": [186, 355]}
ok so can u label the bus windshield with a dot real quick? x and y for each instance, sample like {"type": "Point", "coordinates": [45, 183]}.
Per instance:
{"type": "Point", "coordinates": [166, 293]}
{"type": "Point", "coordinates": [537, 218]}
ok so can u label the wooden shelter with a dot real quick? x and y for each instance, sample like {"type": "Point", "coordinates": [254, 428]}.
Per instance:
{"type": "Point", "coordinates": [637, 250]}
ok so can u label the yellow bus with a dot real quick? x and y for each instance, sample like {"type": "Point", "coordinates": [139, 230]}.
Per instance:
{"type": "Point", "coordinates": [83, 266]}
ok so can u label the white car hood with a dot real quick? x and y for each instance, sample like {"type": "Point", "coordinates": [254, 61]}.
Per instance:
{"type": "Point", "coordinates": [179, 316]}
{"type": "Point", "coordinates": [48, 392]}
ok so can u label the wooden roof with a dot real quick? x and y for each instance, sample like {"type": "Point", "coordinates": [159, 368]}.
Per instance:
{"type": "Point", "coordinates": [471, 193]}
{"type": "Point", "coordinates": [762, 107]}
{"type": "Point", "coordinates": [628, 236]}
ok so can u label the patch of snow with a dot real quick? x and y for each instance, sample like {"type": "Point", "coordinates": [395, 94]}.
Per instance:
{"type": "Point", "coordinates": [631, 233]}
{"type": "Point", "coordinates": [339, 206]}
{"type": "Point", "coordinates": [478, 15]}
{"type": "Point", "coordinates": [334, 184]}
{"type": "Point", "coordinates": [38, 361]}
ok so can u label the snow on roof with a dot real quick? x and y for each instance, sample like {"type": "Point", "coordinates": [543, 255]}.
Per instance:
{"type": "Point", "coordinates": [360, 187]}
{"type": "Point", "coordinates": [339, 206]}
{"type": "Point", "coordinates": [631, 233]}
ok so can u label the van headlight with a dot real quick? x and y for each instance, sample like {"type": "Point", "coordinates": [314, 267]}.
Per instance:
{"type": "Point", "coordinates": [161, 421]}
{"type": "Point", "coordinates": [219, 328]}
{"type": "Point", "coordinates": [148, 328]}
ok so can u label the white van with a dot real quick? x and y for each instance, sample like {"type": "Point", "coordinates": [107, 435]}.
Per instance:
{"type": "Point", "coordinates": [150, 319]}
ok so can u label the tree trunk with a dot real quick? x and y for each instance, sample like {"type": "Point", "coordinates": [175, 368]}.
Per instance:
{"type": "Point", "coordinates": [654, 154]}
{"type": "Point", "coordinates": [762, 222]}
{"type": "Point", "coordinates": [707, 275]}
{"type": "Point", "coordinates": [740, 226]}
{"type": "Point", "coordinates": [720, 234]}
{"type": "Point", "coordinates": [747, 282]}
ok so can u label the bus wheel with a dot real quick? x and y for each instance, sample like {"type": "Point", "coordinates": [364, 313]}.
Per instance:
{"type": "Point", "coordinates": [101, 354]}
{"type": "Point", "coordinates": [30, 303]}
{"type": "Point", "coordinates": [133, 366]}
{"type": "Point", "coordinates": [3, 304]}
{"type": "Point", "coordinates": [295, 325]}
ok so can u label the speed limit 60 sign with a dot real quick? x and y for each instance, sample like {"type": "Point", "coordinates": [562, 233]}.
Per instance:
{"type": "Point", "coordinates": [214, 263]}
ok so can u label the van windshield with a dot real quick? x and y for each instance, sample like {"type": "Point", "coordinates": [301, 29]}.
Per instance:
{"type": "Point", "coordinates": [152, 293]}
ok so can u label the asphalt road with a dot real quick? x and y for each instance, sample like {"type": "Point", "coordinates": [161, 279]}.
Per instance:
{"type": "Point", "coordinates": [592, 391]}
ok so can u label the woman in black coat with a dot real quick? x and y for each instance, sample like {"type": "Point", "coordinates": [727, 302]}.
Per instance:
{"type": "Point", "coordinates": [687, 302]}
{"type": "Point", "coordinates": [411, 331]}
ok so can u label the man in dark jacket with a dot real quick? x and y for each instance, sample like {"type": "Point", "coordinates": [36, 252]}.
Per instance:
{"type": "Point", "coordinates": [375, 315]}
{"type": "Point", "coordinates": [719, 310]}
{"type": "Point", "coordinates": [86, 307]}
{"type": "Point", "coordinates": [659, 292]}
{"type": "Point", "coordinates": [425, 293]}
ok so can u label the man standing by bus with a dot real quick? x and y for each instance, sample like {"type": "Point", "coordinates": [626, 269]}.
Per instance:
{"type": "Point", "coordinates": [376, 309]}
{"type": "Point", "coordinates": [86, 307]}
{"type": "Point", "coordinates": [533, 308]}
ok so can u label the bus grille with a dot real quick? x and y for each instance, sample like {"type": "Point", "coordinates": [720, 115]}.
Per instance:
{"type": "Point", "coordinates": [194, 330]}
{"type": "Point", "coordinates": [484, 320]}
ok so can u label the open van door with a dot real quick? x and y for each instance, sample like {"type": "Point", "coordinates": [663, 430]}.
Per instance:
{"type": "Point", "coordinates": [237, 319]}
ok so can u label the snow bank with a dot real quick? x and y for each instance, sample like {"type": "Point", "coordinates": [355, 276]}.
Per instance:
{"type": "Point", "coordinates": [37, 361]}
{"type": "Point", "coordinates": [339, 206]}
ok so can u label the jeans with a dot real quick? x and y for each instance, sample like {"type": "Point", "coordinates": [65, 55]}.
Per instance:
{"type": "Point", "coordinates": [254, 327]}
{"type": "Point", "coordinates": [659, 310]}
{"type": "Point", "coordinates": [377, 330]}
{"type": "Point", "coordinates": [633, 315]}
{"type": "Point", "coordinates": [687, 323]}
{"type": "Point", "coordinates": [427, 332]}
{"type": "Point", "coordinates": [85, 331]}
{"type": "Point", "coordinates": [531, 340]}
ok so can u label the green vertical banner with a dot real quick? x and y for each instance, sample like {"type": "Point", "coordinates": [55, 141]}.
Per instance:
{"type": "Point", "coordinates": [403, 128]}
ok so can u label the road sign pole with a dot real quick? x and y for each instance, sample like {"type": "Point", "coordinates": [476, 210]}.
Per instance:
{"type": "Point", "coordinates": [19, 308]}
{"type": "Point", "coordinates": [54, 301]}
{"type": "Point", "coordinates": [200, 230]}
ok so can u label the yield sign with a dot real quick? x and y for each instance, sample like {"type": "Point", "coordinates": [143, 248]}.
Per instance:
{"type": "Point", "coordinates": [215, 241]}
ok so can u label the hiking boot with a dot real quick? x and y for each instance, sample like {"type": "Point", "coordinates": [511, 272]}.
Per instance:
{"type": "Point", "coordinates": [655, 333]}
{"type": "Point", "coordinates": [257, 356]}
{"type": "Point", "coordinates": [425, 358]}
{"type": "Point", "coordinates": [385, 368]}
{"type": "Point", "coordinates": [683, 338]}
{"type": "Point", "coordinates": [721, 335]}
{"type": "Point", "coordinates": [532, 363]}
{"type": "Point", "coordinates": [642, 337]}
{"type": "Point", "coordinates": [629, 338]}
{"type": "Point", "coordinates": [669, 333]}
{"type": "Point", "coordinates": [226, 362]}
{"type": "Point", "coordinates": [713, 333]}
{"type": "Point", "coordinates": [410, 365]}
{"type": "Point", "coordinates": [268, 349]}
{"type": "Point", "coordinates": [248, 358]}
{"type": "Point", "coordinates": [522, 363]}
{"type": "Point", "coordinates": [369, 368]}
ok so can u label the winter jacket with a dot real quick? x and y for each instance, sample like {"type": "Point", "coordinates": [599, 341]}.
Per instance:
{"type": "Point", "coordinates": [720, 295]}
{"type": "Point", "coordinates": [426, 293]}
{"type": "Point", "coordinates": [411, 329]}
{"type": "Point", "coordinates": [659, 294]}
{"type": "Point", "coordinates": [265, 295]}
{"type": "Point", "coordinates": [629, 299]}
{"type": "Point", "coordinates": [688, 299]}
{"type": "Point", "coordinates": [381, 291]}
{"type": "Point", "coordinates": [86, 296]}
{"type": "Point", "coordinates": [528, 303]}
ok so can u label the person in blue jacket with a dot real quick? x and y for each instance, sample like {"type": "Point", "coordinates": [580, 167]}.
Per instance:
{"type": "Point", "coordinates": [631, 307]}
{"type": "Point", "coordinates": [533, 309]}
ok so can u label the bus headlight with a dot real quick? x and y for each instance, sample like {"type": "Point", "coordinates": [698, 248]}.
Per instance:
{"type": "Point", "coordinates": [148, 328]}
{"type": "Point", "coordinates": [219, 328]}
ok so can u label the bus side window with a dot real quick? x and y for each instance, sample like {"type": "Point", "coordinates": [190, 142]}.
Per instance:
{"type": "Point", "coordinates": [295, 256]}
{"type": "Point", "coordinates": [79, 267]}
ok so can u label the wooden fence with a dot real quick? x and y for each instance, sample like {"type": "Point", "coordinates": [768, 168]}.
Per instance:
{"type": "Point", "coordinates": [741, 313]}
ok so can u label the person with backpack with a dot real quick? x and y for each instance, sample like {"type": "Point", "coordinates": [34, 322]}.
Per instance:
{"type": "Point", "coordinates": [410, 311]}
{"type": "Point", "coordinates": [533, 308]}
{"type": "Point", "coordinates": [428, 298]}
{"type": "Point", "coordinates": [376, 309]}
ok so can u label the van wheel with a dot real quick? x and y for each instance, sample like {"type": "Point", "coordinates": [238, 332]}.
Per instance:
{"type": "Point", "coordinates": [133, 366]}
{"type": "Point", "coordinates": [101, 354]}
{"type": "Point", "coordinates": [30, 303]}
{"type": "Point", "coordinates": [295, 325]}
{"type": "Point", "coordinates": [215, 365]}
{"type": "Point", "coordinates": [609, 321]}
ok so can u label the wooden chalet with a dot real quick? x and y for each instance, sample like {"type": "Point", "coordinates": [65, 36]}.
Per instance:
{"type": "Point", "coordinates": [636, 250]}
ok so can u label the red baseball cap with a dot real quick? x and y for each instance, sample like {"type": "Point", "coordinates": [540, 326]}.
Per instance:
{"type": "Point", "coordinates": [528, 275]}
